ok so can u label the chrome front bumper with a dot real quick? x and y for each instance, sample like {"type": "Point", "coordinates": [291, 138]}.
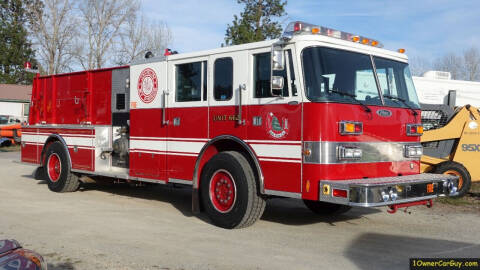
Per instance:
{"type": "Point", "coordinates": [372, 192]}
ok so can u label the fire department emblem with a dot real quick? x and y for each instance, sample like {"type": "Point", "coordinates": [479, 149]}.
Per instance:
{"type": "Point", "coordinates": [277, 129]}
{"type": "Point", "coordinates": [147, 85]}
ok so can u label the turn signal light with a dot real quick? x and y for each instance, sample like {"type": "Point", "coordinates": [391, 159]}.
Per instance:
{"type": "Point", "coordinates": [414, 130]}
{"type": "Point", "coordinates": [351, 128]}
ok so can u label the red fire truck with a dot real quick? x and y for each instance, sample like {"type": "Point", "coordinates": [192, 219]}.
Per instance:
{"type": "Point", "coordinates": [320, 115]}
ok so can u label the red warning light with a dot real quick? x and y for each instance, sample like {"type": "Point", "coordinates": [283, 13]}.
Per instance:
{"type": "Point", "coordinates": [27, 65]}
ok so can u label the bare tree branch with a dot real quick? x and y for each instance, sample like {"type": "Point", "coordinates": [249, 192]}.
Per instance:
{"type": "Point", "coordinates": [103, 21]}
{"type": "Point", "coordinates": [419, 65]}
{"type": "Point", "coordinates": [139, 36]}
{"type": "Point", "coordinates": [52, 27]}
{"type": "Point", "coordinates": [451, 63]}
{"type": "Point", "coordinates": [471, 59]}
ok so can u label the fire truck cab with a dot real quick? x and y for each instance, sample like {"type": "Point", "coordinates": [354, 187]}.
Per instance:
{"type": "Point", "coordinates": [319, 114]}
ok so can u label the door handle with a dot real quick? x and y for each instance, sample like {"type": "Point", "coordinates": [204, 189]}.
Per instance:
{"type": "Point", "coordinates": [242, 87]}
{"type": "Point", "coordinates": [164, 109]}
{"type": "Point", "coordinates": [293, 102]}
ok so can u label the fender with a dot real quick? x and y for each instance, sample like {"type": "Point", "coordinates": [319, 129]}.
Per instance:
{"type": "Point", "coordinates": [56, 137]}
{"type": "Point", "coordinates": [195, 180]}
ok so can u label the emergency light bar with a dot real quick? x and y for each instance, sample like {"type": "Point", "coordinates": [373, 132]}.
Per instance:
{"type": "Point", "coordinates": [302, 28]}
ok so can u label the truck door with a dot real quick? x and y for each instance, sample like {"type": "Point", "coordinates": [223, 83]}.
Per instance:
{"type": "Point", "coordinates": [148, 127]}
{"type": "Point", "coordinates": [187, 116]}
{"type": "Point", "coordinates": [274, 123]}
{"type": "Point", "coordinates": [229, 94]}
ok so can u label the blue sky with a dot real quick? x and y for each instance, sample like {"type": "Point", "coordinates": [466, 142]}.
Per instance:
{"type": "Point", "coordinates": [425, 28]}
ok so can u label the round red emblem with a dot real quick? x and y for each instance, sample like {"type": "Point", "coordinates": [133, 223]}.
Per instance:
{"type": "Point", "coordinates": [147, 85]}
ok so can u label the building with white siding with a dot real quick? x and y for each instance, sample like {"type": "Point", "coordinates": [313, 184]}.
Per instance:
{"type": "Point", "coordinates": [15, 100]}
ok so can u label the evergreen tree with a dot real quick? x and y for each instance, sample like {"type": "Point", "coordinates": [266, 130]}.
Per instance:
{"type": "Point", "coordinates": [256, 22]}
{"type": "Point", "coordinates": [15, 49]}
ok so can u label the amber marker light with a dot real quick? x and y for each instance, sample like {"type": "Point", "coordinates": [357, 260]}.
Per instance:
{"type": "Point", "coordinates": [315, 30]}
{"type": "Point", "coordinates": [365, 41]}
{"type": "Point", "coordinates": [350, 127]}
{"type": "Point", "coordinates": [356, 39]}
{"type": "Point", "coordinates": [420, 129]}
{"type": "Point", "coordinates": [374, 43]}
{"type": "Point", "coordinates": [307, 186]}
{"type": "Point", "coordinates": [401, 50]}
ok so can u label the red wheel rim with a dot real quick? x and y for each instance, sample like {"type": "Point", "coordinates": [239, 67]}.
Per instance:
{"type": "Point", "coordinates": [223, 191]}
{"type": "Point", "coordinates": [54, 167]}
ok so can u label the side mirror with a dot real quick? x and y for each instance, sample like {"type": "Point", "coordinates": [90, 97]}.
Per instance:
{"type": "Point", "coordinates": [278, 60]}
{"type": "Point", "coordinates": [277, 86]}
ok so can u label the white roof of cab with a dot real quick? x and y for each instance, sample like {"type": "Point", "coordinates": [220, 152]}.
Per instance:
{"type": "Point", "coordinates": [307, 40]}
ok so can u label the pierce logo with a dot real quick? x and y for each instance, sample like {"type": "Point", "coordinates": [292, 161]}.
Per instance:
{"type": "Point", "coordinates": [384, 113]}
{"type": "Point", "coordinates": [276, 129]}
{"type": "Point", "coordinates": [147, 85]}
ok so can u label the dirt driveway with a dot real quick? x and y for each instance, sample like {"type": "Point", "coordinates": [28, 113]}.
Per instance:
{"type": "Point", "coordinates": [119, 227]}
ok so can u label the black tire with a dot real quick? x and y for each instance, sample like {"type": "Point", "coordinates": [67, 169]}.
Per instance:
{"type": "Point", "coordinates": [326, 209]}
{"type": "Point", "coordinates": [40, 174]}
{"type": "Point", "coordinates": [66, 181]}
{"type": "Point", "coordinates": [455, 168]}
{"type": "Point", "coordinates": [247, 206]}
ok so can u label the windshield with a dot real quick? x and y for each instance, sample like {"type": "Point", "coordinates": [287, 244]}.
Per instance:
{"type": "Point", "coordinates": [396, 82]}
{"type": "Point", "coordinates": [330, 72]}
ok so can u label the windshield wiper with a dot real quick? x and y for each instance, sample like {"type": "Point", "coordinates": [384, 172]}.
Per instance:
{"type": "Point", "coordinates": [403, 101]}
{"type": "Point", "coordinates": [354, 98]}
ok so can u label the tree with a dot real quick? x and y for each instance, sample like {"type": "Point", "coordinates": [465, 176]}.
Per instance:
{"type": "Point", "coordinates": [452, 63]}
{"type": "Point", "coordinates": [256, 22]}
{"type": "Point", "coordinates": [103, 20]}
{"type": "Point", "coordinates": [15, 49]}
{"type": "Point", "coordinates": [419, 65]}
{"type": "Point", "coordinates": [471, 59]}
{"type": "Point", "coordinates": [53, 27]}
{"type": "Point", "coordinates": [464, 66]}
{"type": "Point", "coordinates": [139, 36]}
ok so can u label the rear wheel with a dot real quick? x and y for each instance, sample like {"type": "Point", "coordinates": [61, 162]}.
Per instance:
{"type": "Point", "coordinates": [57, 170]}
{"type": "Point", "coordinates": [456, 169]}
{"type": "Point", "coordinates": [326, 209]}
{"type": "Point", "coordinates": [229, 191]}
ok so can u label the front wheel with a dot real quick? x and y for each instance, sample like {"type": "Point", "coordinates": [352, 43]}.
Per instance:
{"type": "Point", "coordinates": [229, 191]}
{"type": "Point", "coordinates": [57, 170]}
{"type": "Point", "coordinates": [326, 209]}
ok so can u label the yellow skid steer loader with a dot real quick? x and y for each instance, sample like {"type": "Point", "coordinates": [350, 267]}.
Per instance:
{"type": "Point", "coordinates": [451, 143]}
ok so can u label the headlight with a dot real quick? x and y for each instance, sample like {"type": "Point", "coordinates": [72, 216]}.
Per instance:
{"type": "Point", "coordinates": [413, 151]}
{"type": "Point", "coordinates": [349, 153]}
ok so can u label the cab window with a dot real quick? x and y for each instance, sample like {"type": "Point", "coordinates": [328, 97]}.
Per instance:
{"type": "Point", "coordinates": [189, 82]}
{"type": "Point", "coordinates": [223, 79]}
{"type": "Point", "coordinates": [262, 73]}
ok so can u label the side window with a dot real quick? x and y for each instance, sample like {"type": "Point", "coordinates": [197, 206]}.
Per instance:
{"type": "Point", "coordinates": [292, 73]}
{"type": "Point", "coordinates": [204, 70]}
{"type": "Point", "coordinates": [188, 82]}
{"type": "Point", "coordinates": [261, 76]}
{"type": "Point", "coordinates": [223, 79]}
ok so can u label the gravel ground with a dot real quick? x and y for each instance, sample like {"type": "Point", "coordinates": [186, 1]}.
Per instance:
{"type": "Point", "coordinates": [120, 227]}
